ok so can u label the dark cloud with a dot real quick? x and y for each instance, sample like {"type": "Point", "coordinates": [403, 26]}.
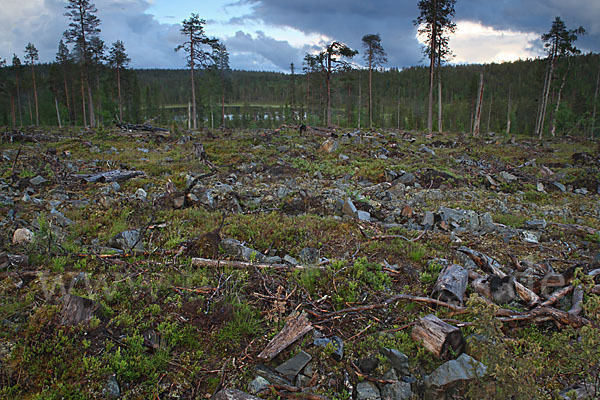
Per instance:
{"type": "Point", "coordinates": [275, 54]}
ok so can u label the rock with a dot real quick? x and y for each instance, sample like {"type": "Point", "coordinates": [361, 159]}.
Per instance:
{"type": "Point", "coordinates": [453, 374]}
{"type": "Point", "coordinates": [363, 215]}
{"type": "Point", "coordinates": [368, 364]}
{"type": "Point", "coordinates": [13, 261]}
{"type": "Point", "coordinates": [540, 187]}
{"type": "Point", "coordinates": [425, 149]}
{"type": "Point", "coordinates": [398, 360]}
{"type": "Point", "coordinates": [507, 176]}
{"type": "Point", "coordinates": [407, 211]}
{"type": "Point", "coordinates": [290, 260]}
{"type": "Point", "coordinates": [407, 178]}
{"type": "Point", "coordinates": [428, 220]}
{"type": "Point", "coordinates": [397, 391]}
{"type": "Point", "coordinates": [38, 180]}
{"type": "Point", "coordinates": [487, 224]}
{"type": "Point", "coordinates": [309, 256]}
{"type": "Point", "coordinates": [77, 310]}
{"type": "Point", "coordinates": [329, 146]}
{"type": "Point", "coordinates": [343, 157]}
{"type": "Point", "coordinates": [559, 186]}
{"type": "Point", "coordinates": [271, 376]}
{"type": "Point", "coordinates": [502, 289]}
{"type": "Point", "coordinates": [22, 236]}
{"type": "Point", "coordinates": [530, 237]}
{"type": "Point", "coordinates": [282, 192]}
{"type": "Point", "coordinates": [467, 219]}
{"type": "Point", "coordinates": [546, 172]}
{"type": "Point", "coordinates": [294, 365]}
{"type": "Point", "coordinates": [336, 341]}
{"type": "Point", "coordinates": [239, 251]}
{"type": "Point", "coordinates": [140, 194]}
{"type": "Point", "coordinates": [128, 240]}
{"type": "Point", "coordinates": [178, 202]}
{"type": "Point", "coordinates": [536, 223]}
{"type": "Point", "coordinates": [233, 394]}
{"type": "Point", "coordinates": [111, 389]}
{"type": "Point", "coordinates": [367, 391]}
{"type": "Point", "coordinates": [582, 191]}
{"type": "Point", "coordinates": [349, 208]}
{"type": "Point", "coordinates": [581, 392]}
{"type": "Point", "coordinates": [258, 385]}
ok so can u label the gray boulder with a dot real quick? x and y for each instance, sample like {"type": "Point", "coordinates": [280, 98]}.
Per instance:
{"type": "Point", "coordinates": [452, 375]}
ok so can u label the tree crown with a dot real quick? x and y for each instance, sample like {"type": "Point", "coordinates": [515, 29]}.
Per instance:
{"type": "Point", "coordinates": [374, 52]}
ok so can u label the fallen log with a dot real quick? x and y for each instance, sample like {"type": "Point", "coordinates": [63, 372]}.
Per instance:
{"type": "Point", "coordinates": [575, 227]}
{"type": "Point", "coordinates": [296, 326]}
{"type": "Point", "coordinates": [556, 296]}
{"type": "Point", "coordinates": [451, 284]}
{"type": "Point", "coordinates": [439, 337]}
{"type": "Point", "coordinates": [109, 176]}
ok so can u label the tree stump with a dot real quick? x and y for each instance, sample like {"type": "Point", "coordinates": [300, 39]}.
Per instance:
{"type": "Point", "coordinates": [451, 284]}
{"type": "Point", "coordinates": [442, 339]}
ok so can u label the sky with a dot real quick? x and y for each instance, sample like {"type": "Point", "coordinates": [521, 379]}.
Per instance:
{"type": "Point", "coordinates": [269, 35]}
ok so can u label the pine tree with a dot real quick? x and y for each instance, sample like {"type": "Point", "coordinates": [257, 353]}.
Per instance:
{"type": "Point", "coordinates": [63, 58]}
{"type": "Point", "coordinates": [220, 58]}
{"type": "Point", "coordinates": [82, 29]}
{"type": "Point", "coordinates": [118, 59]}
{"type": "Point", "coordinates": [199, 48]}
{"type": "Point", "coordinates": [433, 22]}
{"type": "Point", "coordinates": [334, 59]}
{"type": "Point", "coordinates": [31, 54]}
{"type": "Point", "coordinates": [16, 64]}
{"type": "Point", "coordinates": [375, 56]}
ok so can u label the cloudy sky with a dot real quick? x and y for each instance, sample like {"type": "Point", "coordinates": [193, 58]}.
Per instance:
{"type": "Point", "coordinates": [271, 34]}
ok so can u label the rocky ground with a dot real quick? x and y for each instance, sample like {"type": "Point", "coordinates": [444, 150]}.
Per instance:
{"type": "Point", "coordinates": [278, 264]}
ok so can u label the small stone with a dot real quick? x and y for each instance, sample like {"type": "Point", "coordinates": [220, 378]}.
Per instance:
{"type": "Point", "coordinates": [294, 365]}
{"type": "Point", "coordinates": [128, 240]}
{"type": "Point", "coordinates": [536, 223]}
{"type": "Point", "coordinates": [368, 364]}
{"type": "Point", "coordinates": [367, 391]}
{"type": "Point", "coordinates": [397, 391]}
{"type": "Point", "coordinates": [364, 216]}
{"type": "Point", "coordinates": [407, 211]}
{"type": "Point", "coordinates": [140, 194]}
{"type": "Point", "coordinates": [582, 191]}
{"type": "Point", "coordinates": [507, 176]}
{"type": "Point", "coordinates": [38, 180]}
{"type": "Point", "coordinates": [336, 341]}
{"type": "Point", "coordinates": [407, 179]}
{"type": "Point", "coordinates": [22, 236]}
{"type": "Point", "coordinates": [115, 186]}
{"type": "Point", "coordinates": [349, 208]}
{"type": "Point", "coordinates": [343, 157]}
{"type": "Point", "coordinates": [425, 149]}
{"type": "Point", "coordinates": [428, 220]}
{"type": "Point", "coordinates": [398, 360]}
{"type": "Point", "coordinates": [309, 256]}
{"type": "Point", "coordinates": [233, 394]}
{"type": "Point", "coordinates": [454, 372]}
{"type": "Point", "coordinates": [530, 237]}
{"type": "Point", "coordinates": [258, 385]}
{"type": "Point", "coordinates": [290, 260]}
{"type": "Point", "coordinates": [540, 187]}
{"type": "Point", "coordinates": [178, 202]}
{"type": "Point", "coordinates": [111, 390]}
{"type": "Point", "coordinates": [559, 186]}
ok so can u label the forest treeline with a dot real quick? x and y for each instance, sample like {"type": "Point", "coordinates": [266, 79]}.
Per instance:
{"type": "Point", "coordinates": [268, 99]}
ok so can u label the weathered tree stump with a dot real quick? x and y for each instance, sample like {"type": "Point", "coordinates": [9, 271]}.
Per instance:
{"type": "Point", "coordinates": [77, 310]}
{"type": "Point", "coordinates": [442, 339]}
{"type": "Point", "coordinates": [451, 284]}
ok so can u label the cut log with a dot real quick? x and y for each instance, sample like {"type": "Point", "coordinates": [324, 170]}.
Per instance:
{"type": "Point", "coordinates": [451, 284]}
{"type": "Point", "coordinates": [207, 262]}
{"type": "Point", "coordinates": [295, 327]}
{"type": "Point", "coordinates": [442, 339]}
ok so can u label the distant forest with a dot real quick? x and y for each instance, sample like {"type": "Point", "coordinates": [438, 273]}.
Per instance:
{"type": "Point", "coordinates": [269, 99]}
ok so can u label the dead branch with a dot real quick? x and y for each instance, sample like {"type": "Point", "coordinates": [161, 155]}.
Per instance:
{"type": "Point", "coordinates": [556, 296]}
{"type": "Point", "coordinates": [206, 262]}
{"type": "Point", "coordinates": [575, 227]}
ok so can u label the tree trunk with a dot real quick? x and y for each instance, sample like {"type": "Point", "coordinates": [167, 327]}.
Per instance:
{"type": "Point", "coordinates": [90, 102]}
{"type": "Point", "coordinates": [432, 47]}
{"type": "Point", "coordinates": [439, 102]}
{"type": "Point", "coordinates": [83, 100]}
{"type": "Point", "coordinates": [12, 112]}
{"type": "Point", "coordinates": [478, 108]}
{"type": "Point", "coordinates": [30, 112]}
{"type": "Point", "coordinates": [19, 101]}
{"type": "Point", "coordinates": [562, 85]}
{"type": "Point", "coordinates": [370, 86]}
{"type": "Point", "coordinates": [437, 336]}
{"type": "Point", "coordinates": [67, 92]}
{"type": "Point", "coordinates": [194, 116]}
{"type": "Point", "coordinates": [595, 104]}
{"type": "Point", "coordinates": [223, 101]}
{"type": "Point", "coordinates": [189, 115]}
{"type": "Point", "coordinates": [328, 78]}
{"type": "Point", "coordinates": [490, 112]}
{"type": "Point", "coordinates": [119, 92]}
{"type": "Point", "coordinates": [359, 96]}
{"type": "Point", "coordinates": [545, 99]}
{"type": "Point", "coordinates": [57, 113]}
{"type": "Point", "coordinates": [37, 114]}
{"type": "Point", "coordinates": [508, 112]}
